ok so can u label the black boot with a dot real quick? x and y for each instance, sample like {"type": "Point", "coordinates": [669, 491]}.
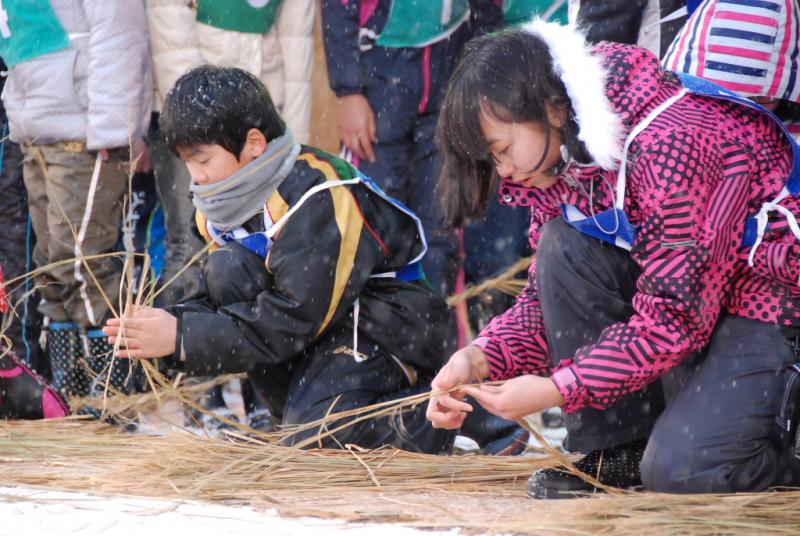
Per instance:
{"type": "Point", "coordinates": [123, 379]}
{"type": "Point", "coordinates": [258, 416]}
{"type": "Point", "coordinates": [214, 404]}
{"type": "Point", "coordinates": [616, 467]}
{"type": "Point", "coordinates": [67, 363]}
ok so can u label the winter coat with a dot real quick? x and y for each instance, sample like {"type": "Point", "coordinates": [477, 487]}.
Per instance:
{"type": "Point", "coordinates": [282, 59]}
{"type": "Point", "coordinates": [350, 28]}
{"type": "Point", "coordinates": [646, 23]}
{"type": "Point", "coordinates": [98, 90]}
{"type": "Point", "coordinates": [693, 176]}
{"type": "Point", "coordinates": [319, 264]}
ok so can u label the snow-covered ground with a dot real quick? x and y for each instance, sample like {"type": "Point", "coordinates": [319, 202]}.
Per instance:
{"type": "Point", "coordinates": [35, 512]}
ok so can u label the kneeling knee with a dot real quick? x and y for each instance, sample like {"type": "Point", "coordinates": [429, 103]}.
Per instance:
{"type": "Point", "coordinates": [234, 274]}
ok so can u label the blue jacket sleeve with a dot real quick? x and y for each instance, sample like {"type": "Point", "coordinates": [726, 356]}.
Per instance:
{"type": "Point", "coordinates": [340, 35]}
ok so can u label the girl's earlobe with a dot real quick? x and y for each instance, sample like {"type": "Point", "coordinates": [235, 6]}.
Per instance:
{"type": "Point", "coordinates": [557, 115]}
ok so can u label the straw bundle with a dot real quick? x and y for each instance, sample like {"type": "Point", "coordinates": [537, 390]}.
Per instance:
{"type": "Point", "coordinates": [505, 282]}
{"type": "Point", "coordinates": [480, 493]}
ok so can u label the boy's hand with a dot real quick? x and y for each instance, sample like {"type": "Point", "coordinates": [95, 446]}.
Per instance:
{"type": "Point", "coordinates": [357, 126]}
{"type": "Point", "coordinates": [148, 333]}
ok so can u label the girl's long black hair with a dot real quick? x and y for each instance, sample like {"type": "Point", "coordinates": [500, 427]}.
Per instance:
{"type": "Point", "coordinates": [510, 76]}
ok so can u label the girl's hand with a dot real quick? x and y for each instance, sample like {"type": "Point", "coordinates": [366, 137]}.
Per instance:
{"type": "Point", "coordinates": [517, 397]}
{"type": "Point", "coordinates": [148, 333]}
{"type": "Point", "coordinates": [448, 410]}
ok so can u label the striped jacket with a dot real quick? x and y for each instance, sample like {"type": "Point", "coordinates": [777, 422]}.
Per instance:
{"type": "Point", "coordinates": [318, 264]}
{"type": "Point", "coordinates": [693, 177]}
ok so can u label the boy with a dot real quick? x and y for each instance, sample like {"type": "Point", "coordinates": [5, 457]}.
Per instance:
{"type": "Point", "coordinates": [273, 41]}
{"type": "Point", "coordinates": [313, 286]}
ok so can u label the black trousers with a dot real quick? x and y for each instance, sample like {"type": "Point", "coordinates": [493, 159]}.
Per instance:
{"type": "Point", "coordinates": [325, 378]}
{"type": "Point", "coordinates": [710, 421]}
{"type": "Point", "coordinates": [16, 248]}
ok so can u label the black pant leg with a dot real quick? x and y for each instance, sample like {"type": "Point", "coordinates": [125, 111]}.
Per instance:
{"type": "Point", "coordinates": [16, 248]}
{"type": "Point", "coordinates": [586, 285]}
{"type": "Point", "coordinates": [715, 434]}
{"type": "Point", "coordinates": [244, 277]}
{"type": "Point", "coordinates": [329, 380]}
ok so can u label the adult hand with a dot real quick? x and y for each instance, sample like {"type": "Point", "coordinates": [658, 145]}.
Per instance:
{"type": "Point", "coordinates": [145, 333]}
{"type": "Point", "coordinates": [448, 410]}
{"type": "Point", "coordinates": [357, 126]}
{"type": "Point", "coordinates": [517, 397]}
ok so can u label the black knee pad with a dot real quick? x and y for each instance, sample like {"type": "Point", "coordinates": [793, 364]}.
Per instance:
{"type": "Point", "coordinates": [234, 274]}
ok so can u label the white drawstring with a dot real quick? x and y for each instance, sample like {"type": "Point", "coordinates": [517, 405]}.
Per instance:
{"type": "Point", "coordinates": [87, 215]}
{"type": "Point", "coordinates": [592, 211]}
{"type": "Point", "coordinates": [356, 311]}
{"type": "Point", "coordinates": [619, 202]}
{"type": "Point", "coordinates": [762, 219]}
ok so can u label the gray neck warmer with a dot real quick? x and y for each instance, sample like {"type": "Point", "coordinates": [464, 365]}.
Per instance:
{"type": "Point", "coordinates": [231, 202]}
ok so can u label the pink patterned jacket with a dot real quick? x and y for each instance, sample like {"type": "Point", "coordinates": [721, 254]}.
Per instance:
{"type": "Point", "coordinates": [694, 175]}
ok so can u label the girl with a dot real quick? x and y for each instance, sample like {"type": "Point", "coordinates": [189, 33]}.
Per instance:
{"type": "Point", "coordinates": [658, 309]}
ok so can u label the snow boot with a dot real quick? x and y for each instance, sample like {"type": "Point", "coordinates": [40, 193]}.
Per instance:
{"type": "Point", "coordinates": [67, 363]}
{"type": "Point", "coordinates": [617, 467]}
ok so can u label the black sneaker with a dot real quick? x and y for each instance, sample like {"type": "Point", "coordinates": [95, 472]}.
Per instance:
{"type": "Point", "coordinates": [617, 467]}
{"type": "Point", "coordinates": [260, 420]}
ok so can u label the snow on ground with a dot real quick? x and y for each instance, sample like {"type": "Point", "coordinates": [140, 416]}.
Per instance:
{"type": "Point", "coordinates": [35, 512]}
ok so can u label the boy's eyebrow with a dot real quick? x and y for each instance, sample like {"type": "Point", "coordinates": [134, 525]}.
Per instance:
{"type": "Point", "coordinates": [192, 150]}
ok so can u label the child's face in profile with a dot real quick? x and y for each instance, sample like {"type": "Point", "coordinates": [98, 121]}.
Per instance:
{"type": "Point", "coordinates": [210, 163]}
{"type": "Point", "coordinates": [517, 150]}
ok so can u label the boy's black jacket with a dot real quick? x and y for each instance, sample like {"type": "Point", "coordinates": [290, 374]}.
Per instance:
{"type": "Point", "coordinates": [318, 264]}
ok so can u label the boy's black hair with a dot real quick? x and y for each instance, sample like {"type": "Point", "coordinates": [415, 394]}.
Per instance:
{"type": "Point", "coordinates": [217, 105]}
{"type": "Point", "coordinates": [510, 76]}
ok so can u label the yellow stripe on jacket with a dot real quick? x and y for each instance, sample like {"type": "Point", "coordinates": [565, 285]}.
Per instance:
{"type": "Point", "coordinates": [201, 221]}
{"type": "Point", "coordinates": [350, 222]}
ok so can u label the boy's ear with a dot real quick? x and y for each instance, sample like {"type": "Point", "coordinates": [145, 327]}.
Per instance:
{"type": "Point", "coordinates": [255, 144]}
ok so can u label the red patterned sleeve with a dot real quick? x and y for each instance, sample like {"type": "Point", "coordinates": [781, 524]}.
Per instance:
{"type": "Point", "coordinates": [514, 342]}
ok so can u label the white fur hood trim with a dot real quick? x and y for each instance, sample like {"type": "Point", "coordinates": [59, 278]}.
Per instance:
{"type": "Point", "coordinates": [599, 127]}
